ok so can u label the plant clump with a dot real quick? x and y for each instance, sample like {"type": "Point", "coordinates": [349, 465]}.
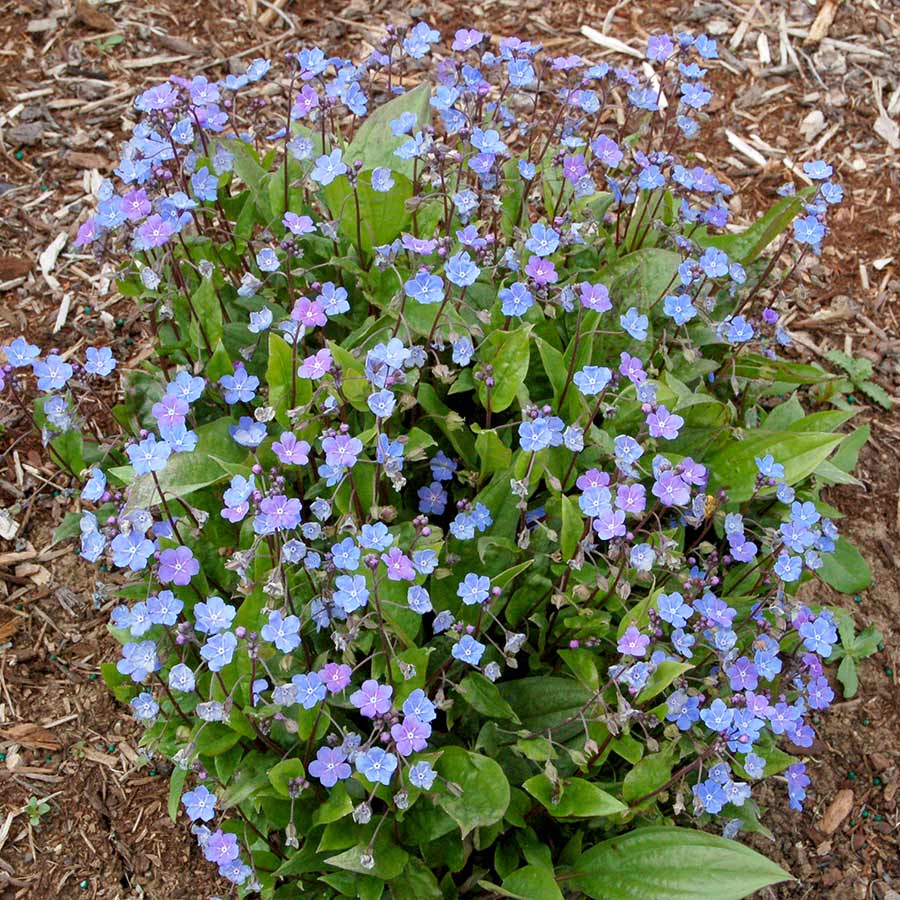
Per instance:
{"type": "Point", "coordinates": [458, 515]}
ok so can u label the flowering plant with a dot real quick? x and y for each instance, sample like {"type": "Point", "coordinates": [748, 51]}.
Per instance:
{"type": "Point", "coordinates": [460, 510]}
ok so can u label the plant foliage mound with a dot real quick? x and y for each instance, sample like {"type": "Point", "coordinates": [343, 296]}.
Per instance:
{"type": "Point", "coordinates": [459, 512]}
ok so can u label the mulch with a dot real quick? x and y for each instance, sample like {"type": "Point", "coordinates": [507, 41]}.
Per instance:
{"type": "Point", "coordinates": [795, 82]}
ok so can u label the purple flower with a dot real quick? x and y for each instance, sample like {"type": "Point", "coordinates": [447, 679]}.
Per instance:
{"type": "Point", "coordinates": [372, 699]}
{"type": "Point", "coordinates": [432, 499]}
{"type": "Point", "coordinates": [610, 524]}
{"type": "Point", "coordinates": [664, 424]}
{"type": "Point", "coordinates": [330, 766]}
{"type": "Point", "coordinates": [797, 782]}
{"type": "Point", "coordinates": [177, 566]}
{"type": "Point", "coordinates": [221, 848]}
{"type": "Point", "coordinates": [282, 513]}
{"type": "Point", "coordinates": [336, 676]}
{"type": "Point", "coordinates": [411, 735]}
{"type": "Point", "coordinates": [633, 643]}
{"type": "Point", "coordinates": [290, 451]}
{"type": "Point", "coordinates": [399, 565]}
{"type": "Point", "coordinates": [170, 411]}
{"type": "Point", "coordinates": [342, 450]}
{"type": "Point", "coordinates": [541, 271]}
{"type": "Point", "coordinates": [742, 675]}
{"type": "Point", "coordinates": [671, 490]}
{"type": "Point", "coordinates": [595, 296]}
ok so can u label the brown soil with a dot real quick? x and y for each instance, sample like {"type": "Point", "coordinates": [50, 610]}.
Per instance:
{"type": "Point", "coordinates": [67, 75]}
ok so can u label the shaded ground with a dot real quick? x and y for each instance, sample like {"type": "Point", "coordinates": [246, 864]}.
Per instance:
{"type": "Point", "coordinates": [67, 76]}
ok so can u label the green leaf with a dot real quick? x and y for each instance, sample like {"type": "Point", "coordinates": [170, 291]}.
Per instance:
{"type": "Point", "coordinates": [845, 570]}
{"type": "Point", "coordinates": [734, 467]}
{"type": "Point", "coordinates": [416, 882]}
{"type": "Point", "coordinates": [494, 455]}
{"type": "Point", "coordinates": [280, 377]}
{"type": "Point", "coordinates": [574, 797]}
{"type": "Point", "coordinates": [176, 786]}
{"type": "Point", "coordinates": [666, 672]}
{"type": "Point", "coordinates": [666, 863]}
{"type": "Point", "coordinates": [485, 790]}
{"type": "Point", "coordinates": [206, 307]}
{"type": "Point", "coordinates": [866, 642]}
{"type": "Point", "coordinates": [186, 473]}
{"type": "Point", "coordinates": [877, 393]}
{"type": "Point", "coordinates": [374, 143]}
{"type": "Point", "coordinates": [846, 675]}
{"type": "Point", "coordinates": [246, 164]}
{"type": "Point", "coordinates": [648, 775]}
{"type": "Point", "coordinates": [546, 702]}
{"type": "Point", "coordinates": [389, 859]}
{"type": "Point", "coordinates": [572, 527]}
{"type": "Point", "coordinates": [847, 455]}
{"type": "Point", "coordinates": [746, 245]}
{"type": "Point", "coordinates": [642, 276]}
{"type": "Point", "coordinates": [484, 697]}
{"type": "Point", "coordinates": [533, 882]}
{"type": "Point", "coordinates": [382, 215]}
{"type": "Point", "coordinates": [284, 772]}
{"type": "Point", "coordinates": [508, 353]}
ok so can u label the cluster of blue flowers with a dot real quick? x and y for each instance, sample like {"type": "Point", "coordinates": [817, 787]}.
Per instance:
{"type": "Point", "coordinates": [356, 525]}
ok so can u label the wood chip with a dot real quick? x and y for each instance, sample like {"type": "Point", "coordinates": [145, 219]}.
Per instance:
{"type": "Point", "coordinates": [47, 259]}
{"type": "Point", "coordinates": [745, 149]}
{"type": "Point", "coordinates": [610, 43]}
{"type": "Point", "coordinates": [31, 736]}
{"type": "Point", "coordinates": [86, 160]}
{"type": "Point", "coordinates": [89, 15]}
{"type": "Point", "coordinates": [14, 267]}
{"type": "Point", "coordinates": [837, 811]}
{"type": "Point", "coordinates": [819, 28]}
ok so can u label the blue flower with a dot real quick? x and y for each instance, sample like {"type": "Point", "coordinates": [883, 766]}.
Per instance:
{"type": "Point", "coordinates": [20, 353]}
{"type": "Point", "coordinates": [421, 775]}
{"type": "Point", "coordinates": [52, 373]}
{"type": "Point", "coordinates": [818, 636]}
{"type": "Point", "coordinates": [131, 551]}
{"type": "Point", "coordinates": [376, 765]}
{"type": "Point", "coordinates": [461, 270]}
{"type": "Point", "coordinates": [282, 632]}
{"type": "Point", "coordinates": [468, 650]}
{"type": "Point", "coordinates": [635, 323]}
{"type": "Point", "coordinates": [679, 308]}
{"type": "Point", "coordinates": [474, 589]}
{"type": "Point", "coordinates": [543, 241]}
{"type": "Point", "coordinates": [787, 567]}
{"type": "Point", "coordinates": [382, 180]}
{"type": "Point", "coordinates": [809, 230]}
{"type": "Point", "coordinates": [515, 300]}
{"type": "Point", "coordinates": [240, 387]}
{"type": "Point", "coordinates": [99, 361]}
{"type": "Point", "coordinates": [328, 167]}
{"type": "Point", "coordinates": [673, 609]}
{"type": "Point", "coordinates": [425, 288]}
{"type": "Point", "coordinates": [311, 689]}
{"type": "Point", "coordinates": [218, 651]}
